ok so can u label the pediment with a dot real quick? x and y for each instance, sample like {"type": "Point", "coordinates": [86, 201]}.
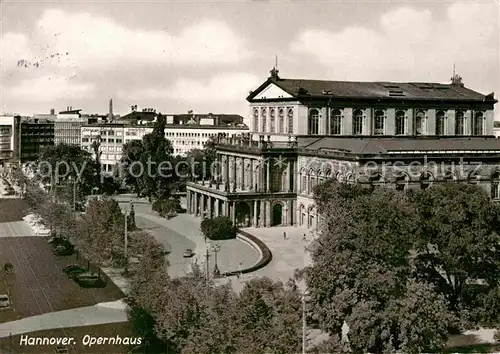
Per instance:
{"type": "Point", "coordinates": [272, 91]}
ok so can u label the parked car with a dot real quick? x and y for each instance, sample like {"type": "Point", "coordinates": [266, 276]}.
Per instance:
{"type": "Point", "coordinates": [73, 270]}
{"type": "Point", "coordinates": [188, 253]}
{"type": "Point", "coordinates": [87, 280]}
{"type": "Point", "coordinates": [60, 349]}
{"type": "Point", "coordinates": [64, 250]}
{"type": "Point", "coordinates": [4, 302]}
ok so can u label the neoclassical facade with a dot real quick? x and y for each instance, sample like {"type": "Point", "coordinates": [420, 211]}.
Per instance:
{"type": "Point", "coordinates": [398, 135]}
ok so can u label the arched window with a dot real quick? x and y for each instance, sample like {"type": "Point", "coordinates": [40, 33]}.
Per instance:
{"type": "Point", "coordinates": [379, 123]}
{"type": "Point", "coordinates": [376, 180]}
{"type": "Point", "coordinates": [289, 115]}
{"type": "Point", "coordinates": [448, 177]}
{"type": "Point", "coordinates": [272, 116]}
{"type": "Point", "coordinates": [477, 128]}
{"type": "Point", "coordinates": [419, 123]}
{"type": "Point", "coordinates": [255, 119]}
{"type": "Point", "coordinates": [303, 182]}
{"type": "Point", "coordinates": [440, 123]}
{"type": "Point", "coordinates": [281, 120]}
{"type": "Point", "coordinates": [459, 123]}
{"type": "Point", "coordinates": [474, 178]}
{"type": "Point", "coordinates": [495, 185]}
{"type": "Point", "coordinates": [400, 123]}
{"type": "Point", "coordinates": [263, 114]}
{"type": "Point", "coordinates": [313, 126]}
{"type": "Point", "coordinates": [335, 122]}
{"type": "Point", "coordinates": [312, 182]}
{"type": "Point", "coordinates": [425, 180]}
{"type": "Point", "coordinates": [357, 122]}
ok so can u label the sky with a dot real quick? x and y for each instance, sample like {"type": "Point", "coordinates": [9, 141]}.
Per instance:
{"type": "Point", "coordinates": [206, 56]}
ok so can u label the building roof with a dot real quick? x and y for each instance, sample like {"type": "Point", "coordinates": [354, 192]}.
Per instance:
{"type": "Point", "coordinates": [397, 145]}
{"type": "Point", "coordinates": [300, 88]}
{"type": "Point", "coordinates": [139, 115]}
{"type": "Point", "coordinates": [72, 111]}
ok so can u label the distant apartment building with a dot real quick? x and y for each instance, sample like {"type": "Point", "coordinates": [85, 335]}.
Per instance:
{"type": "Point", "coordinates": [34, 135]}
{"type": "Point", "coordinates": [186, 132]}
{"type": "Point", "coordinates": [8, 139]}
{"type": "Point", "coordinates": [67, 126]}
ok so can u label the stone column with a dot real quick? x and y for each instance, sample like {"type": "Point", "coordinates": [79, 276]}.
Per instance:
{"type": "Point", "coordinates": [233, 177]}
{"type": "Point", "coordinates": [209, 207]}
{"type": "Point", "coordinates": [233, 212]}
{"type": "Point", "coordinates": [216, 207]}
{"type": "Point", "coordinates": [268, 176]}
{"type": "Point", "coordinates": [250, 175]}
{"type": "Point", "coordinates": [226, 208]}
{"type": "Point", "coordinates": [290, 207]}
{"type": "Point", "coordinates": [261, 176]}
{"type": "Point", "coordinates": [196, 204]}
{"type": "Point", "coordinates": [202, 205]}
{"type": "Point", "coordinates": [242, 173]}
{"type": "Point", "coordinates": [285, 214]}
{"type": "Point", "coordinates": [288, 177]}
{"type": "Point", "coordinates": [188, 201]}
{"type": "Point", "coordinates": [268, 213]}
{"type": "Point", "coordinates": [255, 216]}
{"type": "Point", "coordinates": [262, 217]}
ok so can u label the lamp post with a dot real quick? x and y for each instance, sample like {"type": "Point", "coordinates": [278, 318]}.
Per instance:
{"type": "Point", "coordinates": [125, 251]}
{"type": "Point", "coordinates": [215, 250]}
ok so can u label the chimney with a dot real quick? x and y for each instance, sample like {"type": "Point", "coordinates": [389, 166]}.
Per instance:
{"type": "Point", "coordinates": [52, 111]}
{"type": "Point", "coordinates": [111, 109]}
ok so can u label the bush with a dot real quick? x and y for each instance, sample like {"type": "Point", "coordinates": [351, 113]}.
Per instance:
{"type": "Point", "coordinates": [220, 228]}
{"type": "Point", "coordinates": [167, 207]}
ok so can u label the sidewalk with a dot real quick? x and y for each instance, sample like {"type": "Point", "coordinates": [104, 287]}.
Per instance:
{"type": "Point", "coordinates": [110, 312]}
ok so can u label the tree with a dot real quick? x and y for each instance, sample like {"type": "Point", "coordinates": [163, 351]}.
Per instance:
{"type": "Point", "coordinates": [362, 273]}
{"type": "Point", "coordinates": [167, 207]}
{"type": "Point", "coordinates": [99, 233]}
{"type": "Point", "coordinates": [149, 164]}
{"type": "Point", "coordinates": [62, 164]}
{"type": "Point", "coordinates": [219, 228]}
{"type": "Point", "coordinates": [457, 246]}
{"type": "Point", "coordinates": [201, 161]}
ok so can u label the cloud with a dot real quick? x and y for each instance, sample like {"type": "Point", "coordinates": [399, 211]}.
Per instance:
{"type": "Point", "coordinates": [13, 47]}
{"type": "Point", "coordinates": [84, 40]}
{"type": "Point", "coordinates": [47, 88]}
{"type": "Point", "coordinates": [231, 87]}
{"type": "Point", "coordinates": [412, 45]}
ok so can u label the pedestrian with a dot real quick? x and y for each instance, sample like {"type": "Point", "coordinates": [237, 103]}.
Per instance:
{"type": "Point", "coordinates": [284, 235]}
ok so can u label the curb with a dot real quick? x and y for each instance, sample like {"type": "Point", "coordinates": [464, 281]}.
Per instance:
{"type": "Point", "coordinates": [265, 254]}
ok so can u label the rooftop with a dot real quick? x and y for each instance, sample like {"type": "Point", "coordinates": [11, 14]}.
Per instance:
{"type": "Point", "coordinates": [425, 91]}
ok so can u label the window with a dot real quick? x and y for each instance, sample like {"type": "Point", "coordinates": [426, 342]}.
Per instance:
{"type": "Point", "coordinates": [357, 122]}
{"type": "Point", "coordinates": [419, 123]}
{"type": "Point", "coordinates": [477, 128]}
{"type": "Point", "coordinates": [281, 120]}
{"type": "Point", "coordinates": [335, 122]}
{"type": "Point", "coordinates": [272, 116]}
{"type": "Point", "coordinates": [379, 122]}
{"type": "Point", "coordinates": [495, 185]}
{"type": "Point", "coordinates": [440, 123]}
{"type": "Point", "coordinates": [400, 123]}
{"type": "Point", "coordinates": [255, 119]}
{"type": "Point", "coordinates": [263, 114]}
{"type": "Point", "coordinates": [289, 116]}
{"type": "Point", "coordinates": [459, 123]}
{"type": "Point", "coordinates": [313, 126]}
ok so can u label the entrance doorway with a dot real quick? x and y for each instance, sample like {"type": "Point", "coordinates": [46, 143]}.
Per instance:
{"type": "Point", "coordinates": [277, 215]}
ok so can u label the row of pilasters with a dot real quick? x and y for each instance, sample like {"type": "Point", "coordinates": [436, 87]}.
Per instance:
{"type": "Point", "coordinates": [256, 213]}
{"type": "Point", "coordinates": [251, 174]}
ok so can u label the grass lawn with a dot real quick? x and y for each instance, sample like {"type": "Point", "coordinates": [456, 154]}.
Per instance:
{"type": "Point", "coordinates": [78, 333]}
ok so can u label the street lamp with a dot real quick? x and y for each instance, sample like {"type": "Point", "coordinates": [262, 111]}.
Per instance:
{"type": "Point", "coordinates": [215, 250]}
{"type": "Point", "coordinates": [127, 211]}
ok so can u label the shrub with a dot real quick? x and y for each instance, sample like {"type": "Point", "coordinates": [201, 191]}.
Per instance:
{"type": "Point", "coordinates": [167, 207]}
{"type": "Point", "coordinates": [219, 228]}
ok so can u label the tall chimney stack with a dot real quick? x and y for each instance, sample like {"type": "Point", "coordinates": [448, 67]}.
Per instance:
{"type": "Point", "coordinates": [111, 109]}
{"type": "Point", "coordinates": [52, 111]}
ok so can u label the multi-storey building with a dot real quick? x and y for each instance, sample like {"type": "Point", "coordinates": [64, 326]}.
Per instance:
{"type": "Point", "coordinates": [67, 127]}
{"type": "Point", "coordinates": [8, 138]}
{"type": "Point", "coordinates": [34, 135]}
{"type": "Point", "coordinates": [400, 135]}
{"type": "Point", "coordinates": [185, 135]}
